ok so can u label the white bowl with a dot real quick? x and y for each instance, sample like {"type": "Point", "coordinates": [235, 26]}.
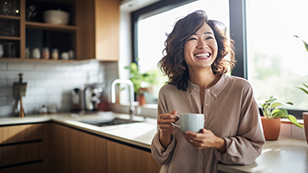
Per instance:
{"type": "Point", "coordinates": [56, 17]}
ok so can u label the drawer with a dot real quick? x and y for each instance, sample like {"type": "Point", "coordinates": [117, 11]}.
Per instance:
{"type": "Point", "coordinates": [21, 133]}
{"type": "Point", "coordinates": [21, 153]}
{"type": "Point", "coordinates": [31, 168]}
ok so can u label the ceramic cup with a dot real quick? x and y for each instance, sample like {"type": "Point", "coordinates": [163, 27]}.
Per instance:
{"type": "Point", "coordinates": [190, 122]}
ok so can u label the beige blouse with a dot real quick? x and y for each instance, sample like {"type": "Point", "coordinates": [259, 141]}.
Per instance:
{"type": "Point", "coordinates": [231, 113]}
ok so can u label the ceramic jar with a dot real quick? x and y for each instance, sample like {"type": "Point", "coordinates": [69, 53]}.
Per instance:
{"type": "Point", "coordinates": [36, 53]}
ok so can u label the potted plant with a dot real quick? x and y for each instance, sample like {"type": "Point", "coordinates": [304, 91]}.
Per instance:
{"type": "Point", "coordinates": [272, 115]}
{"type": "Point", "coordinates": [305, 90]}
{"type": "Point", "coordinates": [142, 81]}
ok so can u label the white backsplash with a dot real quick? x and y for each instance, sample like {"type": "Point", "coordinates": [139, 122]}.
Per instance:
{"type": "Point", "coordinates": [51, 82]}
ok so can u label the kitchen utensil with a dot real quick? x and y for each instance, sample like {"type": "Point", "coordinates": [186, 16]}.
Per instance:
{"type": "Point", "coordinates": [19, 91]}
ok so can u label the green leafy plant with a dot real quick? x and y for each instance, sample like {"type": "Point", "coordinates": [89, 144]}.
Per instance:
{"type": "Point", "coordinates": [270, 110]}
{"type": "Point", "coordinates": [148, 78]}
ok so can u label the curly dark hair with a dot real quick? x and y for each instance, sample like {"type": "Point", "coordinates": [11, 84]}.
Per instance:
{"type": "Point", "coordinates": [173, 63]}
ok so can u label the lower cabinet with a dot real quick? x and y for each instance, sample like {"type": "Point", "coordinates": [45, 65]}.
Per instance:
{"type": "Point", "coordinates": [74, 151]}
{"type": "Point", "coordinates": [22, 148]}
{"type": "Point", "coordinates": [122, 158]}
{"type": "Point", "coordinates": [50, 147]}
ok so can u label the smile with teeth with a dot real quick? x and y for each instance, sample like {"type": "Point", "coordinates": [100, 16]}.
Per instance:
{"type": "Point", "coordinates": [203, 55]}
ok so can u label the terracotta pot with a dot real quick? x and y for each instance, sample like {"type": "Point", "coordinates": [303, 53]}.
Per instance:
{"type": "Point", "coordinates": [305, 118]}
{"type": "Point", "coordinates": [141, 99]}
{"type": "Point", "coordinates": [271, 128]}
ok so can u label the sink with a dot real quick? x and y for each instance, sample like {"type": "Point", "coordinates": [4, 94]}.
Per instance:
{"type": "Point", "coordinates": [110, 122]}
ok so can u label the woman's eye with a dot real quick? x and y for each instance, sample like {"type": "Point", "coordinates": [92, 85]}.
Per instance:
{"type": "Point", "coordinates": [208, 38]}
{"type": "Point", "coordinates": [192, 39]}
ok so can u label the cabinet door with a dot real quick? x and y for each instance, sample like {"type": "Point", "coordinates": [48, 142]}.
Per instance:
{"type": "Point", "coordinates": [21, 133]}
{"type": "Point", "coordinates": [122, 158]}
{"type": "Point", "coordinates": [99, 26]}
{"type": "Point", "coordinates": [76, 151]}
{"type": "Point", "coordinates": [21, 148]}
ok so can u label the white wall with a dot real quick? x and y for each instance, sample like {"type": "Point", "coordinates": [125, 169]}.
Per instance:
{"type": "Point", "coordinates": [51, 82]}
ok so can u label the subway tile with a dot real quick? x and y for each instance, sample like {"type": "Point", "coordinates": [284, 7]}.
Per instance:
{"type": "Point", "coordinates": [58, 75]}
{"type": "Point", "coordinates": [48, 83]}
{"type": "Point", "coordinates": [48, 67]}
{"type": "Point", "coordinates": [20, 66]}
{"type": "Point", "coordinates": [9, 74]}
{"type": "Point", "coordinates": [3, 66]}
{"type": "Point", "coordinates": [3, 101]}
{"type": "Point", "coordinates": [5, 92]}
{"type": "Point", "coordinates": [34, 75]}
{"type": "Point", "coordinates": [53, 90]}
{"type": "Point", "coordinates": [6, 111]}
{"type": "Point", "coordinates": [35, 91]}
{"type": "Point", "coordinates": [79, 75]}
{"type": "Point", "coordinates": [3, 83]}
{"type": "Point", "coordinates": [297, 132]}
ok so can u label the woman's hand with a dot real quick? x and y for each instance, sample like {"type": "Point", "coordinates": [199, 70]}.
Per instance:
{"type": "Point", "coordinates": [164, 122]}
{"type": "Point", "coordinates": [205, 139]}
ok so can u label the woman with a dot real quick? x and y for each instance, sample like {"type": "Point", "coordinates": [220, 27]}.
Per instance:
{"type": "Point", "coordinates": [196, 65]}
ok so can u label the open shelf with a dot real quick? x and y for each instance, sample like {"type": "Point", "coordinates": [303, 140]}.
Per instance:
{"type": "Point", "coordinates": [9, 38]}
{"type": "Point", "coordinates": [48, 26]}
{"type": "Point", "coordinates": [9, 17]}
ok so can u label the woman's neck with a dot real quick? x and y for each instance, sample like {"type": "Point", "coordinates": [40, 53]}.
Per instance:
{"type": "Point", "coordinates": [203, 78]}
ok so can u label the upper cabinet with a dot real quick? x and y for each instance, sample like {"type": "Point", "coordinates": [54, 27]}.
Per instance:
{"type": "Point", "coordinates": [99, 29]}
{"type": "Point", "coordinates": [28, 32]}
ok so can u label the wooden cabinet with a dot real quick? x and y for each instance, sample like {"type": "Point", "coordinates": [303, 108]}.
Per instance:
{"type": "Point", "coordinates": [22, 148]}
{"type": "Point", "coordinates": [76, 151]}
{"type": "Point", "coordinates": [122, 158]}
{"type": "Point", "coordinates": [92, 31]}
{"type": "Point", "coordinates": [50, 147]}
{"type": "Point", "coordinates": [99, 29]}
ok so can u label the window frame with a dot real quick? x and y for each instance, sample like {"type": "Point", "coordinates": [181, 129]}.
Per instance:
{"type": "Point", "coordinates": [238, 32]}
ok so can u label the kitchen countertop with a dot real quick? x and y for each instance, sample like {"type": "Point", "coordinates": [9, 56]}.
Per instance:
{"type": "Point", "coordinates": [284, 155]}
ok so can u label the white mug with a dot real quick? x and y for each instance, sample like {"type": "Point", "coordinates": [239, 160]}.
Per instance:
{"type": "Point", "coordinates": [190, 122]}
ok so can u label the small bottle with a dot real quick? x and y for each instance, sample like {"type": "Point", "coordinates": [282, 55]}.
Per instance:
{"type": "Point", "coordinates": [27, 53]}
{"type": "Point", "coordinates": [54, 54]}
{"type": "Point", "coordinates": [1, 50]}
{"type": "Point", "coordinates": [45, 53]}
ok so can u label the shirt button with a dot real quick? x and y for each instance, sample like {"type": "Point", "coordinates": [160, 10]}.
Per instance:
{"type": "Point", "coordinates": [206, 104]}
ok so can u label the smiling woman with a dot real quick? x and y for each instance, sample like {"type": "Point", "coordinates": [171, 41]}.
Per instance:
{"type": "Point", "coordinates": [153, 28]}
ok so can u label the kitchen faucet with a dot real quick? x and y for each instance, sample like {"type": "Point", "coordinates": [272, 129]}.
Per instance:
{"type": "Point", "coordinates": [131, 94]}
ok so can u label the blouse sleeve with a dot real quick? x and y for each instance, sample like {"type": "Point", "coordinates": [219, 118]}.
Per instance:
{"type": "Point", "coordinates": [246, 146]}
{"type": "Point", "coordinates": [161, 154]}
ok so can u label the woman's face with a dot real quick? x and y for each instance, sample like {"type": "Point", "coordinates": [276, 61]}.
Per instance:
{"type": "Point", "coordinates": [200, 49]}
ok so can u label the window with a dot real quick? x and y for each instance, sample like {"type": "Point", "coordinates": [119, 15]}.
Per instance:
{"type": "Point", "coordinates": [277, 61]}
{"type": "Point", "coordinates": [152, 32]}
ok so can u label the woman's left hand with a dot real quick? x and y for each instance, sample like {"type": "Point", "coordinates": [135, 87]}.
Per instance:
{"type": "Point", "coordinates": [205, 139]}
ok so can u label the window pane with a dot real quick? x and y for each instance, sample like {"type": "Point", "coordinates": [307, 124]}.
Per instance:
{"type": "Point", "coordinates": [152, 31]}
{"type": "Point", "coordinates": [277, 61]}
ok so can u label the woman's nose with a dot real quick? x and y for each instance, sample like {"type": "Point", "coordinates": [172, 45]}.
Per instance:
{"type": "Point", "coordinates": [201, 44]}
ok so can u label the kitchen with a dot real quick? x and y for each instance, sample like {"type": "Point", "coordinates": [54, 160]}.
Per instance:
{"type": "Point", "coordinates": [51, 83]}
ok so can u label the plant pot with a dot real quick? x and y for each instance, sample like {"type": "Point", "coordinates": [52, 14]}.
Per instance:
{"type": "Point", "coordinates": [305, 118]}
{"type": "Point", "coordinates": [271, 128]}
{"type": "Point", "coordinates": [141, 99]}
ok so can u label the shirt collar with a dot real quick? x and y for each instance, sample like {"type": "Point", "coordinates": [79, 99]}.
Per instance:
{"type": "Point", "coordinates": [215, 89]}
